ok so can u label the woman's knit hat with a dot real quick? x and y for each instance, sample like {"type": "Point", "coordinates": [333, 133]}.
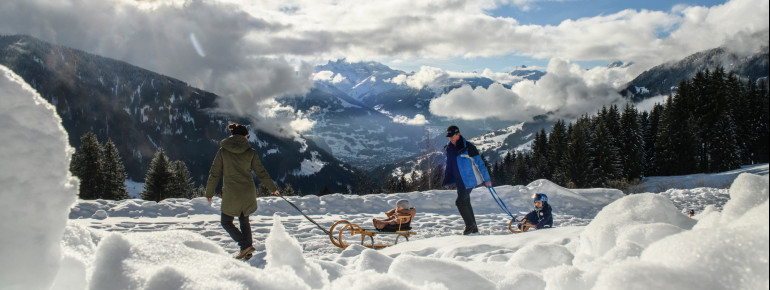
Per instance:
{"type": "Point", "coordinates": [238, 129]}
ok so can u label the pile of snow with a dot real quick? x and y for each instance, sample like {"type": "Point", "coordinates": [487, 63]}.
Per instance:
{"type": "Point", "coordinates": [37, 188]}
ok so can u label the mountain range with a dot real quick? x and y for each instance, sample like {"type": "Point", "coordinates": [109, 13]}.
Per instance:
{"type": "Point", "coordinates": [142, 112]}
{"type": "Point", "coordinates": [370, 123]}
{"type": "Point", "coordinates": [664, 78]}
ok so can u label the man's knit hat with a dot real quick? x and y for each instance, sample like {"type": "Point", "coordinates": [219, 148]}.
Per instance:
{"type": "Point", "coordinates": [403, 204]}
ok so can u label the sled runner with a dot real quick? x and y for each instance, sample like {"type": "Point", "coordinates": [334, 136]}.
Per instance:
{"type": "Point", "coordinates": [525, 225]}
{"type": "Point", "coordinates": [355, 230]}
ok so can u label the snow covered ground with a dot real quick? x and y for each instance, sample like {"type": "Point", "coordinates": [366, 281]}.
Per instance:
{"type": "Point", "coordinates": [602, 239]}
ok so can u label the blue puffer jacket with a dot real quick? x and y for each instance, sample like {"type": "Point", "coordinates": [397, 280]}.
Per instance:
{"type": "Point", "coordinates": [464, 160]}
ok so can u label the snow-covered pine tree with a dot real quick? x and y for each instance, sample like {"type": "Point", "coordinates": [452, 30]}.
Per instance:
{"type": "Point", "coordinates": [158, 177]}
{"type": "Point", "coordinates": [181, 184]}
{"type": "Point", "coordinates": [86, 165]}
{"type": "Point", "coordinates": [113, 173]}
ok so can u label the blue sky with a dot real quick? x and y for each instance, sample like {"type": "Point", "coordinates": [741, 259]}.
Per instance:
{"type": "Point", "coordinates": [545, 13]}
{"type": "Point", "coordinates": [554, 12]}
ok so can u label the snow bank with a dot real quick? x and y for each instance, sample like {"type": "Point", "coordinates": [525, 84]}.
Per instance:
{"type": "Point", "coordinates": [730, 250]}
{"type": "Point", "coordinates": [37, 188]}
{"type": "Point", "coordinates": [174, 260]}
{"type": "Point", "coordinates": [285, 254]}
{"type": "Point", "coordinates": [622, 217]}
{"type": "Point", "coordinates": [714, 180]}
{"type": "Point", "coordinates": [640, 241]}
{"type": "Point", "coordinates": [420, 271]}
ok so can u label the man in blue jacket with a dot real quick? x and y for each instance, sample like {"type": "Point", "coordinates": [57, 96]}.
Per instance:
{"type": "Point", "coordinates": [466, 170]}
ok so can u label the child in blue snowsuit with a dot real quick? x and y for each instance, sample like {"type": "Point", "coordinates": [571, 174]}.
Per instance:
{"type": "Point", "coordinates": [541, 216]}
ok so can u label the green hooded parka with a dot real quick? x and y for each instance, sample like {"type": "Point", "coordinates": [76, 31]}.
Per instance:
{"type": "Point", "coordinates": [234, 162]}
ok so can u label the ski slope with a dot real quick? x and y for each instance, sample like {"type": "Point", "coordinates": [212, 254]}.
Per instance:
{"type": "Point", "coordinates": [602, 239]}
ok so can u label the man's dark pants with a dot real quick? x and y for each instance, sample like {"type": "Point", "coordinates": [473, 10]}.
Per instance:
{"type": "Point", "coordinates": [463, 204]}
{"type": "Point", "coordinates": [243, 237]}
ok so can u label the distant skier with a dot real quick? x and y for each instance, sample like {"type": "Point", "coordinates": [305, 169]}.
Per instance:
{"type": "Point", "coordinates": [393, 223]}
{"type": "Point", "coordinates": [466, 170]}
{"type": "Point", "coordinates": [541, 216]}
{"type": "Point", "coordinates": [234, 162]}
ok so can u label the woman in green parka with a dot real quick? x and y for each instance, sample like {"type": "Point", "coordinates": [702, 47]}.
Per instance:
{"type": "Point", "coordinates": [234, 162]}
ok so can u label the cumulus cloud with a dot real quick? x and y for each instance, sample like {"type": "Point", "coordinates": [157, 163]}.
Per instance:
{"type": "Point", "coordinates": [328, 76]}
{"type": "Point", "coordinates": [427, 76]}
{"type": "Point", "coordinates": [250, 52]}
{"type": "Point", "coordinates": [565, 92]}
{"type": "Point", "coordinates": [206, 44]}
{"type": "Point", "coordinates": [418, 120]}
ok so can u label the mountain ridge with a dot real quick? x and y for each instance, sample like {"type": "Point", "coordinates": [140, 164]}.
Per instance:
{"type": "Point", "coordinates": [142, 111]}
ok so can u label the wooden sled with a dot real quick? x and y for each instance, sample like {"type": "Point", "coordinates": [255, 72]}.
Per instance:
{"type": "Point", "coordinates": [355, 230]}
{"type": "Point", "coordinates": [525, 226]}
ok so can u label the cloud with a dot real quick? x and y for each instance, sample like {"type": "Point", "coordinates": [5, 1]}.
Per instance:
{"type": "Point", "coordinates": [565, 92]}
{"type": "Point", "coordinates": [418, 120]}
{"type": "Point", "coordinates": [250, 52]}
{"type": "Point", "coordinates": [328, 76]}
{"type": "Point", "coordinates": [208, 45]}
{"type": "Point", "coordinates": [427, 76]}
{"type": "Point", "coordinates": [648, 104]}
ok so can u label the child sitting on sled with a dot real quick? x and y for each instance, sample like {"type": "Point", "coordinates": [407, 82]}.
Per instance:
{"type": "Point", "coordinates": [393, 223]}
{"type": "Point", "coordinates": [541, 216]}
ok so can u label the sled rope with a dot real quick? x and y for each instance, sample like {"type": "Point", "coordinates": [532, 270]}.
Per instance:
{"type": "Point", "coordinates": [500, 202]}
{"type": "Point", "coordinates": [307, 217]}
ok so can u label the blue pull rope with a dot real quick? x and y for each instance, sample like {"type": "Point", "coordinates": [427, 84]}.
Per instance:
{"type": "Point", "coordinates": [500, 202]}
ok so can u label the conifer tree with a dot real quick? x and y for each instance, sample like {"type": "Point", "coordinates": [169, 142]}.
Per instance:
{"type": "Point", "coordinates": [724, 152]}
{"type": "Point", "coordinates": [577, 162]}
{"type": "Point", "coordinates": [158, 178]}
{"type": "Point", "coordinates": [324, 191]}
{"type": "Point", "coordinates": [86, 164]}
{"type": "Point", "coordinates": [540, 156]}
{"type": "Point", "coordinates": [521, 170]}
{"type": "Point", "coordinates": [262, 190]}
{"type": "Point", "coordinates": [288, 190]}
{"type": "Point", "coordinates": [650, 134]}
{"type": "Point", "coordinates": [557, 149]}
{"type": "Point", "coordinates": [113, 173]}
{"type": "Point", "coordinates": [632, 144]}
{"type": "Point", "coordinates": [507, 176]}
{"type": "Point", "coordinates": [181, 184]}
{"type": "Point", "coordinates": [605, 156]}
{"type": "Point", "coordinates": [760, 123]}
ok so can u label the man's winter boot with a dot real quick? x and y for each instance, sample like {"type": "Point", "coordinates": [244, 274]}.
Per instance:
{"type": "Point", "coordinates": [245, 252]}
